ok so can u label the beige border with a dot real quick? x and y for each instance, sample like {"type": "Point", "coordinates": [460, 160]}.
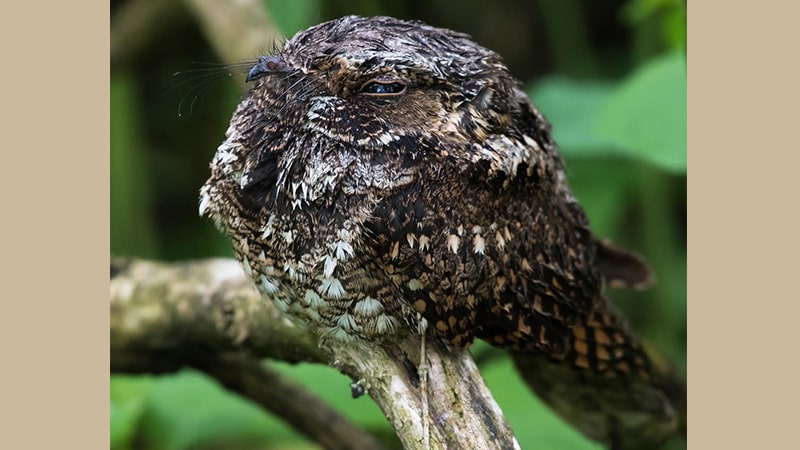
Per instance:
{"type": "Point", "coordinates": [742, 333]}
{"type": "Point", "coordinates": [56, 232]}
{"type": "Point", "coordinates": [54, 330]}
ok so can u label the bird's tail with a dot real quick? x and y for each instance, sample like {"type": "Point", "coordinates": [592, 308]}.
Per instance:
{"type": "Point", "coordinates": [609, 386]}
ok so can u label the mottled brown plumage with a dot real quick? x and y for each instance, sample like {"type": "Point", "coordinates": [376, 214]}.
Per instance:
{"type": "Point", "coordinates": [381, 173]}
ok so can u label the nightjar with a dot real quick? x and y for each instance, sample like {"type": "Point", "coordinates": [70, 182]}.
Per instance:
{"type": "Point", "coordinates": [384, 176]}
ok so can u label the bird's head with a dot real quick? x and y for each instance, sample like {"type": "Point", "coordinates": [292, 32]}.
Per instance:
{"type": "Point", "coordinates": [369, 81]}
{"type": "Point", "coordinates": [356, 106]}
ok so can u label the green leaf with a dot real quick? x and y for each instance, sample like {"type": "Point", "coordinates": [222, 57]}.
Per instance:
{"type": "Point", "coordinates": [571, 106]}
{"type": "Point", "coordinates": [190, 410]}
{"type": "Point", "coordinates": [668, 15]}
{"type": "Point", "coordinates": [637, 11]}
{"type": "Point", "coordinates": [128, 400]}
{"type": "Point", "coordinates": [604, 186]}
{"type": "Point", "coordinates": [675, 28]}
{"type": "Point", "coordinates": [646, 116]}
{"type": "Point", "coordinates": [643, 117]}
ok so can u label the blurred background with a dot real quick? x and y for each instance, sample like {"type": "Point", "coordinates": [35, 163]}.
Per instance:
{"type": "Point", "coordinates": [609, 74]}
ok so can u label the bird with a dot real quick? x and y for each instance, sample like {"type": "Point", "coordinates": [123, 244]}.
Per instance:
{"type": "Point", "coordinates": [385, 177]}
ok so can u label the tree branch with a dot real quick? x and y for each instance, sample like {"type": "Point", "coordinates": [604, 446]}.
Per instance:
{"type": "Point", "coordinates": [207, 314]}
{"type": "Point", "coordinates": [183, 311]}
{"type": "Point", "coordinates": [285, 398]}
{"type": "Point", "coordinates": [237, 31]}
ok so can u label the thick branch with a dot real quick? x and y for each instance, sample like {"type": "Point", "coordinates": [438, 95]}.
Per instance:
{"type": "Point", "coordinates": [185, 311]}
{"type": "Point", "coordinates": [237, 31]}
{"type": "Point", "coordinates": [462, 411]}
{"type": "Point", "coordinates": [200, 313]}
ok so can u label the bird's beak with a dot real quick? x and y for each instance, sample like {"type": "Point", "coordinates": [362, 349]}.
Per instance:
{"type": "Point", "coordinates": [265, 66]}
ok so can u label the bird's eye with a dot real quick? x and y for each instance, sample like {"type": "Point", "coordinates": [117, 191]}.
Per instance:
{"type": "Point", "coordinates": [383, 88]}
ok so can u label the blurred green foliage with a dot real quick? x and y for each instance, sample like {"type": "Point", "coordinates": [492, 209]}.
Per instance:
{"type": "Point", "coordinates": [610, 75]}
